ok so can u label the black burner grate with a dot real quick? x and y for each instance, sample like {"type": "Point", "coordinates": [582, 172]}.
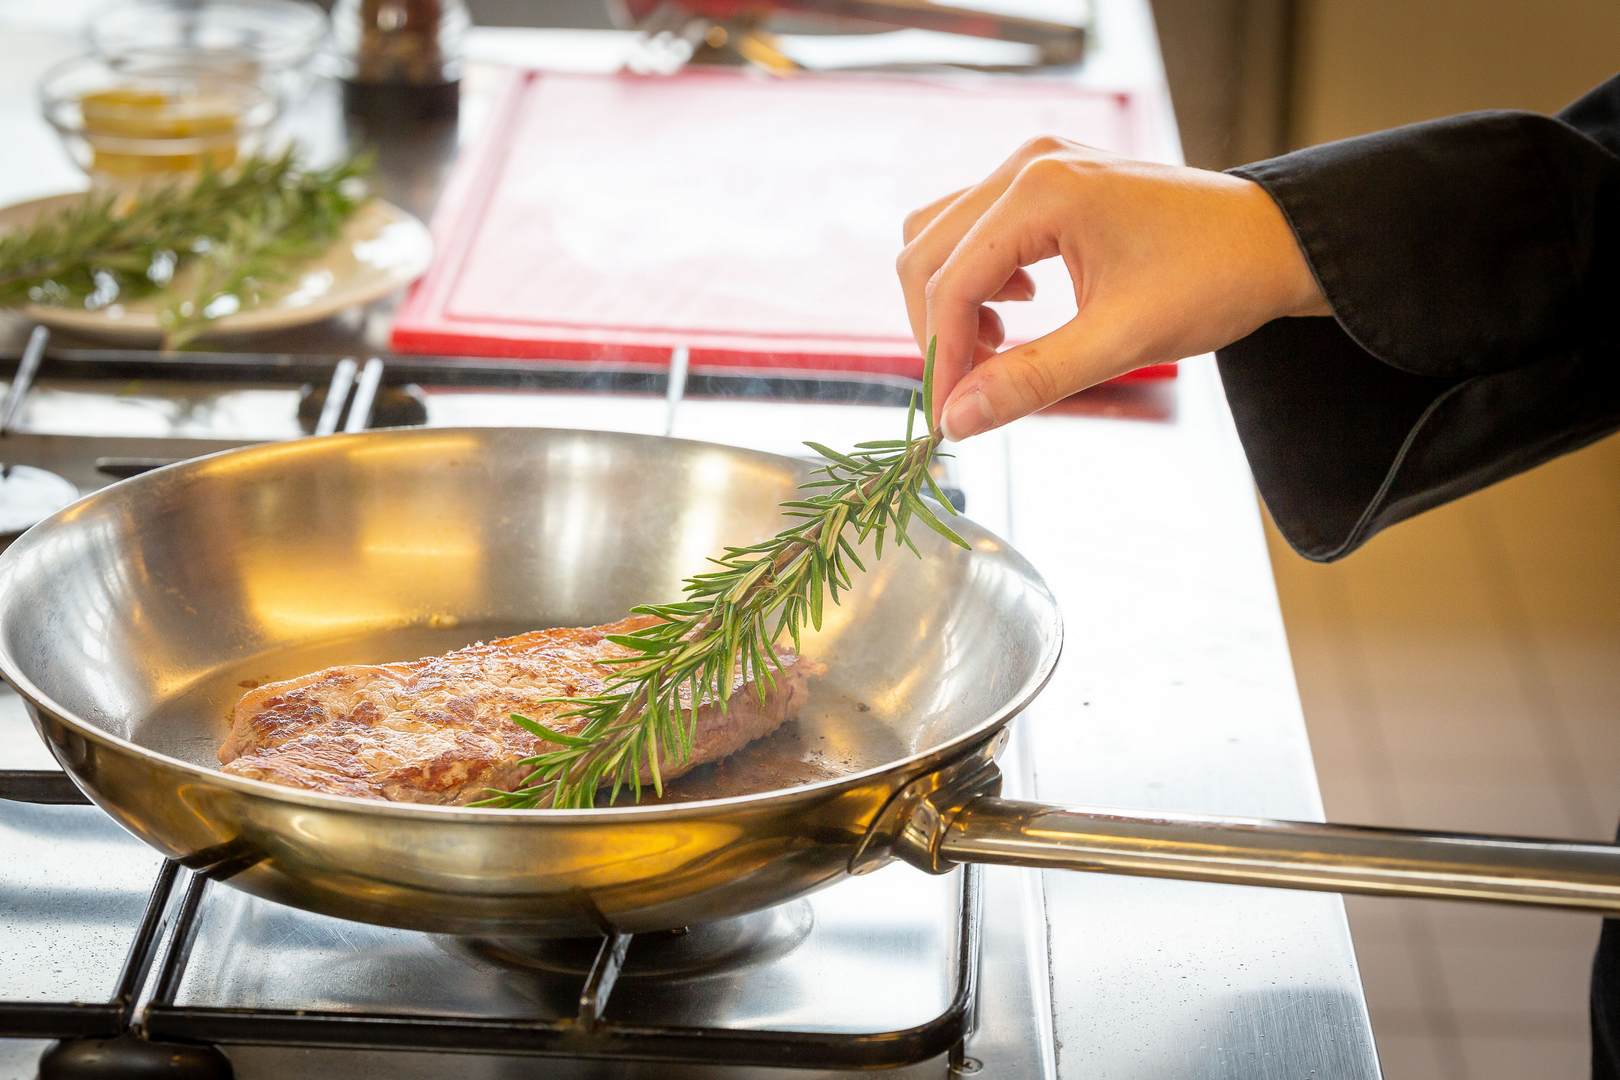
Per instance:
{"type": "Point", "coordinates": [116, 1037]}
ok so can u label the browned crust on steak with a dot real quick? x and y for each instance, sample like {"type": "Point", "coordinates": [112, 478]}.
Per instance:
{"type": "Point", "coordinates": [437, 730]}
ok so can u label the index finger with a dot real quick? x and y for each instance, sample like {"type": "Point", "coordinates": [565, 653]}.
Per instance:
{"type": "Point", "coordinates": [920, 218]}
{"type": "Point", "coordinates": [940, 226]}
{"type": "Point", "coordinates": [1010, 235]}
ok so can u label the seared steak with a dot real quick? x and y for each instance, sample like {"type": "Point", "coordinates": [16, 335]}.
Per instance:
{"type": "Point", "coordinates": [436, 730]}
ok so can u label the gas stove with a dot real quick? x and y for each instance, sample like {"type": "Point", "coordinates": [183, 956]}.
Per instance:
{"type": "Point", "coordinates": [112, 958]}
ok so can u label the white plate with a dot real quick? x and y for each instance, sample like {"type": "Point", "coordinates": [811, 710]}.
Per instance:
{"type": "Point", "coordinates": [381, 249]}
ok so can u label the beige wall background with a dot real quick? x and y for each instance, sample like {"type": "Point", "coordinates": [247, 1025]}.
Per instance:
{"type": "Point", "coordinates": [1463, 670]}
{"type": "Point", "coordinates": [1251, 78]}
{"type": "Point", "coordinates": [1369, 64]}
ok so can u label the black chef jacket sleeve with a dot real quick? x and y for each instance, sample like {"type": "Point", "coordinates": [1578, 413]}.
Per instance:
{"type": "Point", "coordinates": [1472, 265]}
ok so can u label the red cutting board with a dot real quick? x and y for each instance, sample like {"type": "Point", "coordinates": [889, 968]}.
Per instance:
{"type": "Point", "coordinates": [754, 220]}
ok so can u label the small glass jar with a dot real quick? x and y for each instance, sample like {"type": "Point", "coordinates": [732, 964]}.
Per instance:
{"type": "Point", "coordinates": [400, 60]}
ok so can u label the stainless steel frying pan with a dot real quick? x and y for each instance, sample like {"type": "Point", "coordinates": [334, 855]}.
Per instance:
{"type": "Point", "coordinates": [130, 620]}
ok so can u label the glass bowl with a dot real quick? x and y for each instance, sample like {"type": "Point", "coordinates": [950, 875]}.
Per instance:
{"type": "Point", "coordinates": [271, 40]}
{"type": "Point", "coordinates": [150, 116]}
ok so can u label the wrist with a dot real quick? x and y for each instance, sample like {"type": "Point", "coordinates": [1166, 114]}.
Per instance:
{"type": "Point", "coordinates": [1292, 286]}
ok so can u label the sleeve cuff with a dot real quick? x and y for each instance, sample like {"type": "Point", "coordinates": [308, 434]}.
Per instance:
{"type": "Point", "coordinates": [1342, 446]}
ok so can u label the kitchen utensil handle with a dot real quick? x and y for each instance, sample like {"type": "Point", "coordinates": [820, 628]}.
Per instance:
{"type": "Point", "coordinates": [1284, 854]}
{"type": "Point", "coordinates": [23, 381]}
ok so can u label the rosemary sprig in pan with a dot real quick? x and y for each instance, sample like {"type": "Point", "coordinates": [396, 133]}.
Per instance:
{"type": "Point", "coordinates": [732, 617]}
{"type": "Point", "coordinates": [208, 248]}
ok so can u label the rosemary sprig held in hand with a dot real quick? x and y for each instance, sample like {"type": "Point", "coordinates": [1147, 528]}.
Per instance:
{"type": "Point", "coordinates": [732, 618]}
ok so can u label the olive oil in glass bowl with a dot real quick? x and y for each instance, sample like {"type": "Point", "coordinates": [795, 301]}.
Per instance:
{"type": "Point", "coordinates": [140, 118]}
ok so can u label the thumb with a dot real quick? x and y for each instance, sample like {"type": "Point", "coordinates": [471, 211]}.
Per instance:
{"type": "Point", "coordinates": [1032, 376]}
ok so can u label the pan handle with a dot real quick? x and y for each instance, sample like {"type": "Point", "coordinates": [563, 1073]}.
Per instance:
{"type": "Point", "coordinates": [954, 815]}
{"type": "Point", "coordinates": [1283, 854]}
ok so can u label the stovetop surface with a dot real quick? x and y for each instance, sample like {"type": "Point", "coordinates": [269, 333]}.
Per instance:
{"type": "Point", "coordinates": [1175, 692]}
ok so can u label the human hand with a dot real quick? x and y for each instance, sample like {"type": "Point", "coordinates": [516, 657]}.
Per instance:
{"type": "Point", "coordinates": [1166, 263]}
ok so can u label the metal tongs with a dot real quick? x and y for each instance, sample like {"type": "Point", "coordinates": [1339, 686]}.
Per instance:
{"type": "Point", "coordinates": [676, 31]}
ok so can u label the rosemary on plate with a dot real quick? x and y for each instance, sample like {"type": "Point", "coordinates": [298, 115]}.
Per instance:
{"type": "Point", "coordinates": [731, 619]}
{"type": "Point", "coordinates": [206, 248]}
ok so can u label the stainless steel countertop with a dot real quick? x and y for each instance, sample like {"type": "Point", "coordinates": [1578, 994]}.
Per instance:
{"type": "Point", "coordinates": [1175, 691]}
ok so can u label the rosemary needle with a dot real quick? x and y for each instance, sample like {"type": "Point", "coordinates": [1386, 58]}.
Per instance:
{"type": "Point", "coordinates": [731, 619]}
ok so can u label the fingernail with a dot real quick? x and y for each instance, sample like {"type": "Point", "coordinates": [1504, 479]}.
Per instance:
{"type": "Point", "coordinates": [966, 416]}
